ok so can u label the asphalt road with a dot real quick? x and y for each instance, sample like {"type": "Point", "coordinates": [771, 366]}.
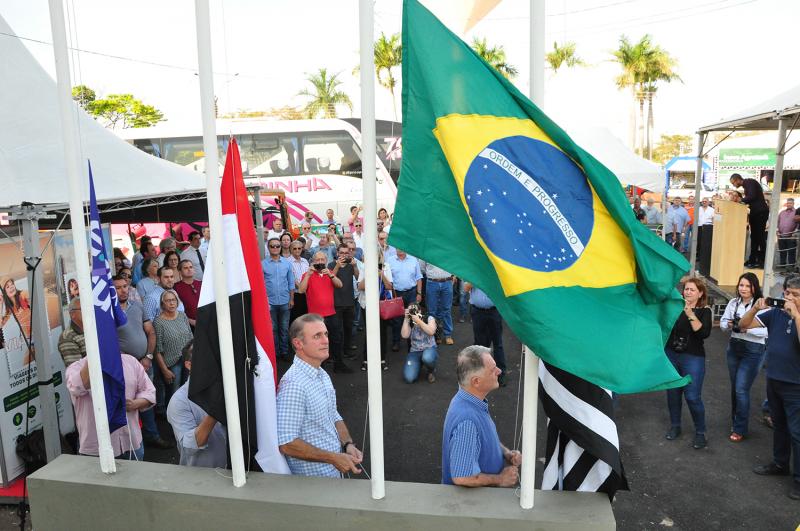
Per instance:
{"type": "Point", "coordinates": [672, 485]}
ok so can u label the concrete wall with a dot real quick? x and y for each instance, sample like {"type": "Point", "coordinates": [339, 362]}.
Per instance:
{"type": "Point", "coordinates": [72, 493]}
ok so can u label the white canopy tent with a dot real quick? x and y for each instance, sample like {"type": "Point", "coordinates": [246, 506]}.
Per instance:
{"type": "Point", "coordinates": [32, 166]}
{"type": "Point", "coordinates": [780, 113]}
{"type": "Point", "coordinates": [629, 168]}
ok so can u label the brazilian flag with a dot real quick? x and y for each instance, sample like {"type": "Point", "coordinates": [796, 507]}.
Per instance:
{"type": "Point", "coordinates": [496, 193]}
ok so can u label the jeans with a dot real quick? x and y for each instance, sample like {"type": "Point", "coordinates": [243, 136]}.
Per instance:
{"type": "Point", "coordinates": [487, 325]}
{"type": "Point", "coordinates": [280, 328]}
{"type": "Point", "coordinates": [358, 316]}
{"type": "Point", "coordinates": [687, 240]}
{"type": "Point", "coordinates": [164, 391]}
{"type": "Point", "coordinates": [784, 405]}
{"type": "Point", "coordinates": [694, 366]}
{"type": "Point", "coordinates": [148, 416]}
{"type": "Point", "coordinates": [463, 306]}
{"type": "Point", "coordinates": [334, 325]}
{"type": "Point", "coordinates": [136, 455]}
{"type": "Point", "coordinates": [409, 296]}
{"type": "Point", "coordinates": [744, 362]}
{"type": "Point", "coordinates": [415, 360]}
{"type": "Point", "coordinates": [439, 296]}
{"type": "Point", "coordinates": [345, 320]}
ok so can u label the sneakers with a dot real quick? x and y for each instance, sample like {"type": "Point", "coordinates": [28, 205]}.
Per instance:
{"type": "Point", "coordinates": [461, 320]}
{"type": "Point", "coordinates": [431, 377]}
{"type": "Point", "coordinates": [448, 340]}
{"type": "Point", "coordinates": [795, 492]}
{"type": "Point", "coordinates": [699, 441]}
{"type": "Point", "coordinates": [363, 365]}
{"type": "Point", "coordinates": [673, 433]}
{"type": "Point", "coordinates": [771, 470]}
{"type": "Point", "coordinates": [384, 367]}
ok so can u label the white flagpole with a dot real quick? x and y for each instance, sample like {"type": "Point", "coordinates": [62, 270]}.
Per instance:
{"type": "Point", "coordinates": [68, 116]}
{"type": "Point", "coordinates": [530, 403]}
{"type": "Point", "coordinates": [203, 21]}
{"type": "Point", "coordinates": [368, 162]}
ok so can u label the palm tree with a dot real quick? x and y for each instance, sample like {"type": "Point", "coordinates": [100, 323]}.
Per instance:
{"type": "Point", "coordinates": [563, 55]}
{"type": "Point", "coordinates": [495, 56]}
{"type": "Point", "coordinates": [643, 66]}
{"type": "Point", "coordinates": [388, 55]}
{"type": "Point", "coordinates": [324, 95]}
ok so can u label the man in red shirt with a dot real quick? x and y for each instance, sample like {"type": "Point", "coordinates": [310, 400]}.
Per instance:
{"type": "Point", "coordinates": [188, 289]}
{"type": "Point", "coordinates": [318, 284]}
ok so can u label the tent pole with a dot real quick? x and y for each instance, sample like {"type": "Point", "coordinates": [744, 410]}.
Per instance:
{"type": "Point", "coordinates": [698, 190]}
{"type": "Point", "coordinates": [66, 108]}
{"type": "Point", "coordinates": [366, 18]}
{"type": "Point", "coordinates": [530, 401]}
{"type": "Point", "coordinates": [774, 208]}
{"type": "Point", "coordinates": [203, 22]}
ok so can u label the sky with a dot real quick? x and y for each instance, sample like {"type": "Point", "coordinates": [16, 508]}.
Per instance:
{"type": "Point", "coordinates": [731, 54]}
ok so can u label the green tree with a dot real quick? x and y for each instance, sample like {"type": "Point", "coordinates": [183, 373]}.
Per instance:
{"type": "Point", "coordinates": [121, 110]}
{"type": "Point", "coordinates": [670, 146]}
{"type": "Point", "coordinates": [388, 55]}
{"type": "Point", "coordinates": [83, 95]}
{"type": "Point", "coordinates": [563, 56]}
{"type": "Point", "coordinates": [643, 65]}
{"type": "Point", "coordinates": [325, 95]}
{"type": "Point", "coordinates": [495, 56]}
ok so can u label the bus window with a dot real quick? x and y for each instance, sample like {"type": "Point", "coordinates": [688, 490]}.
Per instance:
{"type": "Point", "coordinates": [269, 155]}
{"type": "Point", "coordinates": [149, 146]}
{"type": "Point", "coordinates": [184, 151]}
{"type": "Point", "coordinates": [332, 152]}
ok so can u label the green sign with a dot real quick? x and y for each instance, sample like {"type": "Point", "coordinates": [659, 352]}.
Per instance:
{"type": "Point", "coordinates": [756, 157]}
{"type": "Point", "coordinates": [27, 393]}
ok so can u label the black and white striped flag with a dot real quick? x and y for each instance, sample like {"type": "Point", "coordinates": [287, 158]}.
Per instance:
{"type": "Point", "coordinates": [582, 444]}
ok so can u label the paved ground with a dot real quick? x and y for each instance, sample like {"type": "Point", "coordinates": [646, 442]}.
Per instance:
{"type": "Point", "coordinates": [672, 485]}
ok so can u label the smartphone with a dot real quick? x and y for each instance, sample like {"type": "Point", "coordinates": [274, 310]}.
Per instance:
{"type": "Point", "coordinates": [775, 303]}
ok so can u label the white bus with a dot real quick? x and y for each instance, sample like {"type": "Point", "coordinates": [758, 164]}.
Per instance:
{"type": "Point", "coordinates": [316, 162]}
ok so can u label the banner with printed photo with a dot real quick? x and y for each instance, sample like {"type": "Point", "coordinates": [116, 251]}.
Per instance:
{"type": "Point", "coordinates": [19, 391]}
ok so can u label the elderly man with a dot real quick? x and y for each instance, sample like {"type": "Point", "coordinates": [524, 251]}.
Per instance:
{"type": "Point", "coordinates": [277, 229]}
{"type": "Point", "coordinates": [759, 214]}
{"type": "Point", "coordinates": [279, 279]}
{"type": "Point", "coordinates": [676, 223]}
{"type": "Point", "coordinates": [201, 440]}
{"type": "Point", "coordinates": [487, 327]}
{"type": "Point", "coordinates": [71, 342]}
{"type": "Point", "coordinates": [195, 255]}
{"type": "Point", "coordinates": [319, 284]}
{"type": "Point", "coordinates": [138, 338]}
{"type": "Point", "coordinates": [311, 239]}
{"type": "Point", "coordinates": [652, 216]}
{"type": "Point", "coordinates": [139, 395]}
{"type": "Point", "coordinates": [311, 432]}
{"type": "Point", "coordinates": [166, 245]}
{"type": "Point", "coordinates": [472, 454]}
{"type": "Point", "coordinates": [638, 211]}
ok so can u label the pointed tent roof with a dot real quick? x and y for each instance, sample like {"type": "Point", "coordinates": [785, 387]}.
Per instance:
{"type": "Point", "coordinates": [32, 166]}
{"type": "Point", "coordinates": [762, 116]}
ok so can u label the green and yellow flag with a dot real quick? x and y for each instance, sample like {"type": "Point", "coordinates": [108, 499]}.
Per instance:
{"type": "Point", "coordinates": [493, 191]}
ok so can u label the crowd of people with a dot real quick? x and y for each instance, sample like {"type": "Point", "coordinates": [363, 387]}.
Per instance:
{"type": "Point", "coordinates": [315, 284]}
{"type": "Point", "coordinates": [764, 332]}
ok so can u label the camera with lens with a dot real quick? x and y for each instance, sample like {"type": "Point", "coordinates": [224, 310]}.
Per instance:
{"type": "Point", "coordinates": [735, 325]}
{"type": "Point", "coordinates": [319, 267]}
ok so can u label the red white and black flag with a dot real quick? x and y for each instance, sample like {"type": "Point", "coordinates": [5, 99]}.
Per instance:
{"type": "Point", "coordinates": [253, 346]}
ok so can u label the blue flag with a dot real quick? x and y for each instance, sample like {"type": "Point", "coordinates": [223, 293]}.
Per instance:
{"type": "Point", "coordinates": [108, 316]}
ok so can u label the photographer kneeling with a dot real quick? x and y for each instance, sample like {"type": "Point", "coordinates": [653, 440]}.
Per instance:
{"type": "Point", "coordinates": [685, 350]}
{"type": "Point", "coordinates": [423, 344]}
{"type": "Point", "coordinates": [782, 320]}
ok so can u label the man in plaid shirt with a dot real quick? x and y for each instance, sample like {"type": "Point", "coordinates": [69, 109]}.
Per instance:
{"type": "Point", "coordinates": [311, 433]}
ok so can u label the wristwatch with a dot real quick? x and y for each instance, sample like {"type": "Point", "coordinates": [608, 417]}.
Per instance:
{"type": "Point", "coordinates": [148, 356]}
{"type": "Point", "coordinates": [345, 445]}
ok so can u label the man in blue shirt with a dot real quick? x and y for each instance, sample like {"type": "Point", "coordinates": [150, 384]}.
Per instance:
{"type": "Point", "coordinates": [152, 303]}
{"type": "Point", "coordinates": [472, 454]}
{"type": "Point", "coordinates": [783, 379]}
{"type": "Point", "coordinates": [311, 432]}
{"type": "Point", "coordinates": [279, 279]}
{"type": "Point", "coordinates": [407, 282]}
{"type": "Point", "coordinates": [487, 326]}
{"type": "Point", "coordinates": [675, 223]}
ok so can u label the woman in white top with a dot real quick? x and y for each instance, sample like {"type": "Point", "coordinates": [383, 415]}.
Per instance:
{"type": "Point", "coordinates": [745, 353]}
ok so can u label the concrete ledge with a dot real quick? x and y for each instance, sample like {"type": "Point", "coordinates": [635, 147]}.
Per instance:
{"type": "Point", "coordinates": [72, 493]}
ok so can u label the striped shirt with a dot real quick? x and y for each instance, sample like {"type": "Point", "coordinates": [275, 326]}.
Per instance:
{"type": "Point", "coordinates": [299, 268]}
{"type": "Point", "coordinates": [306, 408]}
{"type": "Point", "coordinates": [71, 345]}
